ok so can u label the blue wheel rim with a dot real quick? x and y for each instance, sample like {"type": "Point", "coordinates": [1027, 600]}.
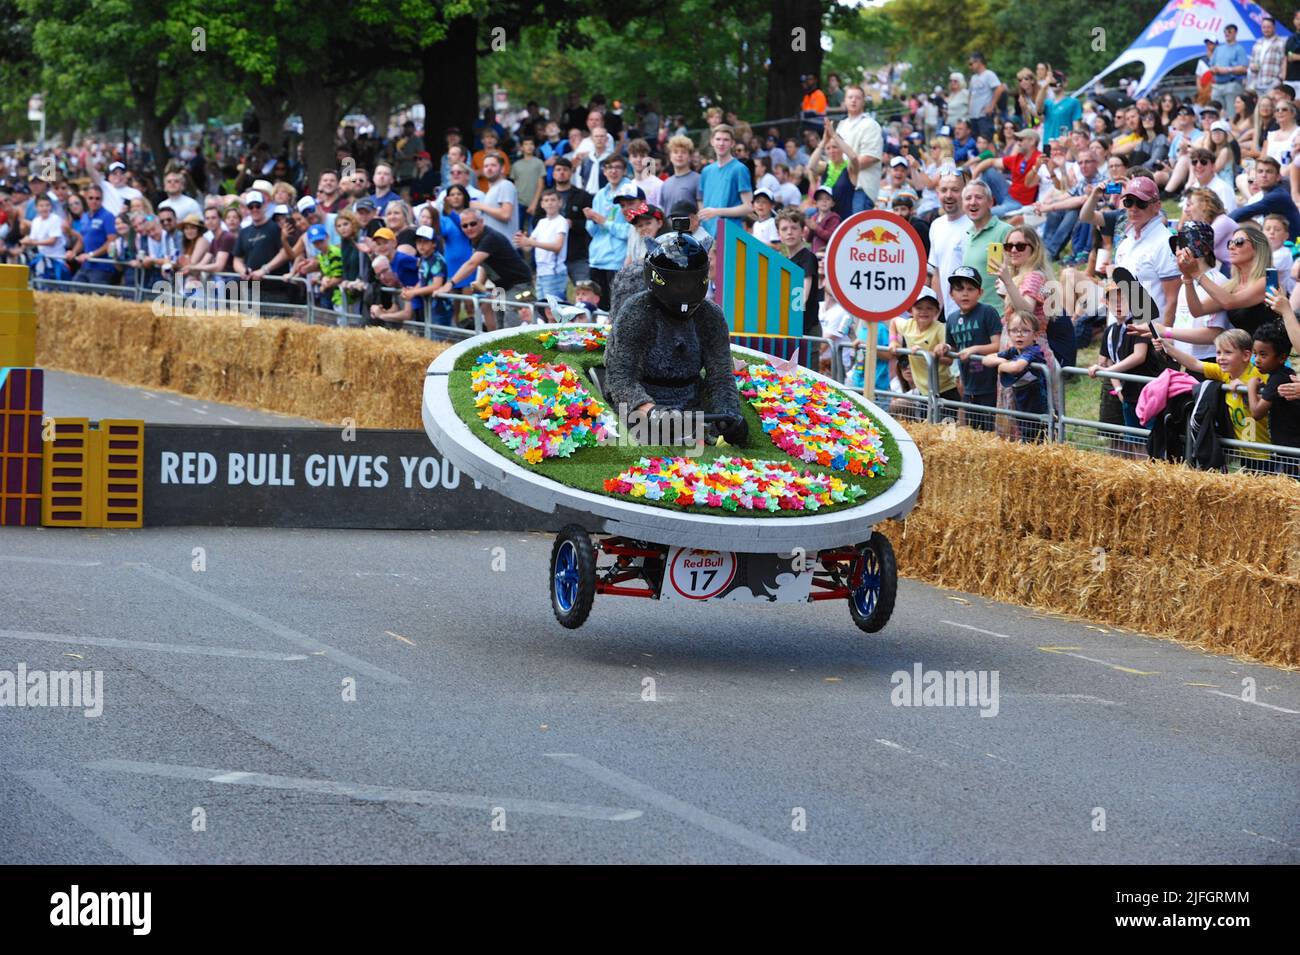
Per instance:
{"type": "Point", "coordinates": [868, 591]}
{"type": "Point", "coordinates": [566, 577]}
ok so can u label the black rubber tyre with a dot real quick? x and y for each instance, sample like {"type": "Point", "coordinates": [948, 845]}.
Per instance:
{"type": "Point", "coordinates": [872, 603]}
{"type": "Point", "coordinates": [573, 576]}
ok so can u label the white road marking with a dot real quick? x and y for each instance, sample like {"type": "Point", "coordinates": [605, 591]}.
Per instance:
{"type": "Point", "coordinates": [683, 810]}
{"type": "Point", "coordinates": [144, 645]}
{"type": "Point", "coordinates": [329, 787]}
{"type": "Point", "coordinates": [54, 561]}
{"type": "Point", "coordinates": [229, 420]}
{"type": "Point", "coordinates": [1086, 698]}
{"type": "Point", "coordinates": [270, 626]}
{"type": "Point", "coordinates": [173, 401]}
{"type": "Point", "coordinates": [1066, 652]}
{"type": "Point", "coordinates": [1278, 842]}
{"type": "Point", "coordinates": [966, 626]}
{"type": "Point", "coordinates": [198, 411]}
{"type": "Point", "coordinates": [1237, 697]}
{"type": "Point", "coordinates": [116, 835]}
{"type": "Point", "coordinates": [911, 752]}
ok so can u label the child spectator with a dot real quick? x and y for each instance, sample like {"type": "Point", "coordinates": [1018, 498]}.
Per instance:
{"type": "Point", "coordinates": [587, 295]}
{"type": "Point", "coordinates": [330, 259]}
{"type": "Point", "coordinates": [432, 275]}
{"type": "Point", "coordinates": [1276, 230]}
{"type": "Point", "coordinates": [646, 219]}
{"type": "Point", "coordinates": [1231, 366]}
{"type": "Point", "coordinates": [790, 227]}
{"type": "Point", "coordinates": [822, 223]}
{"type": "Point", "coordinates": [921, 332]}
{"type": "Point", "coordinates": [550, 239]}
{"type": "Point", "coordinates": [765, 221]}
{"type": "Point", "coordinates": [1124, 351]}
{"type": "Point", "coordinates": [1015, 371]}
{"type": "Point", "coordinates": [973, 332]}
{"type": "Point", "coordinates": [1271, 348]}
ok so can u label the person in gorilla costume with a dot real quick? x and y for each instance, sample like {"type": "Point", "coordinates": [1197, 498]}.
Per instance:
{"type": "Point", "coordinates": [669, 348]}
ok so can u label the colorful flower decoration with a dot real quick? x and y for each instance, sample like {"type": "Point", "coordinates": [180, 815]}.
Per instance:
{"type": "Point", "coordinates": [574, 339]}
{"type": "Point", "coordinates": [538, 410]}
{"type": "Point", "coordinates": [811, 421]}
{"type": "Point", "coordinates": [732, 484]}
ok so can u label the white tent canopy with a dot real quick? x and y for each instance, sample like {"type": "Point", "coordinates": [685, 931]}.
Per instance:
{"type": "Point", "coordinates": [1177, 35]}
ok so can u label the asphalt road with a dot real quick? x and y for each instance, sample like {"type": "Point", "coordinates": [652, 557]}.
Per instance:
{"type": "Point", "coordinates": [82, 396]}
{"type": "Point", "coordinates": [225, 735]}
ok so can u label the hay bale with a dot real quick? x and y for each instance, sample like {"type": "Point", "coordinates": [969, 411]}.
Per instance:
{"type": "Point", "coordinates": [1145, 546]}
{"type": "Point", "coordinates": [322, 372]}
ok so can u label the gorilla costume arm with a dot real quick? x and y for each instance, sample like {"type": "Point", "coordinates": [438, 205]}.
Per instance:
{"type": "Point", "coordinates": [720, 392]}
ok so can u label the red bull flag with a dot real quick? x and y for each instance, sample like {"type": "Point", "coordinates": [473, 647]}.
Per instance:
{"type": "Point", "coordinates": [1177, 35]}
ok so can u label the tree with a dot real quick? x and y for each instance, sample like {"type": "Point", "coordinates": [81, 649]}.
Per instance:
{"type": "Point", "coordinates": [97, 53]}
{"type": "Point", "coordinates": [794, 44]}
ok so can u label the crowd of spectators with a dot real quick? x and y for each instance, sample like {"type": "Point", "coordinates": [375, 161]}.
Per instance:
{"type": "Point", "coordinates": [1026, 198]}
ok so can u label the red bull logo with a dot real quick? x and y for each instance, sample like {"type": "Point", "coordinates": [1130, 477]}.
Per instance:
{"type": "Point", "coordinates": [878, 235]}
{"type": "Point", "coordinates": [1184, 13]}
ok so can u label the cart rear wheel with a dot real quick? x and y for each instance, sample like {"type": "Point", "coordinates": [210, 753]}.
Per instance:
{"type": "Point", "coordinates": [573, 576]}
{"type": "Point", "coordinates": [871, 599]}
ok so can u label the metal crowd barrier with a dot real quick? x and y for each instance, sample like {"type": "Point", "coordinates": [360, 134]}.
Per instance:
{"type": "Point", "coordinates": [1054, 424]}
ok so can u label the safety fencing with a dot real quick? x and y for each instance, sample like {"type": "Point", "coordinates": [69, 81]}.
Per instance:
{"type": "Point", "coordinates": [1053, 425]}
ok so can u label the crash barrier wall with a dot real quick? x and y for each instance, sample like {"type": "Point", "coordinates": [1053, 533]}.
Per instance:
{"type": "Point", "coordinates": [1207, 559]}
{"type": "Point", "coordinates": [326, 374]}
{"type": "Point", "coordinates": [93, 473]}
{"type": "Point", "coordinates": [319, 477]}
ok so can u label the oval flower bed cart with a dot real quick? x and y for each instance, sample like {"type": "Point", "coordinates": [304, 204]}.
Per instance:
{"type": "Point", "coordinates": [790, 517]}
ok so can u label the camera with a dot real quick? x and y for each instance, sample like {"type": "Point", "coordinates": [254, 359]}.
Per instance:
{"type": "Point", "coordinates": [681, 223]}
{"type": "Point", "coordinates": [1114, 188]}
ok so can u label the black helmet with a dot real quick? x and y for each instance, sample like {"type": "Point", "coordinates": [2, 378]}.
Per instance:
{"type": "Point", "coordinates": [677, 273]}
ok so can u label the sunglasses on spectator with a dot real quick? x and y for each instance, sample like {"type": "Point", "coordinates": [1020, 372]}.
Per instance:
{"type": "Point", "coordinates": [254, 205]}
{"type": "Point", "coordinates": [1202, 162]}
{"type": "Point", "coordinates": [1016, 246]}
{"type": "Point", "coordinates": [1237, 243]}
{"type": "Point", "coordinates": [1130, 201]}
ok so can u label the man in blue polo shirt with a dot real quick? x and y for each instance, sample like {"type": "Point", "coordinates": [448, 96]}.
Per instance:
{"type": "Point", "coordinates": [726, 191]}
{"type": "Point", "coordinates": [1274, 197]}
{"type": "Point", "coordinates": [96, 230]}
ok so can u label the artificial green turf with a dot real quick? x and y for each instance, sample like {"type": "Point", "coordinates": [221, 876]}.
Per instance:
{"type": "Point", "coordinates": [588, 468]}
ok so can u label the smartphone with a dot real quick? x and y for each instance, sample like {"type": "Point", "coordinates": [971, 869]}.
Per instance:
{"type": "Point", "coordinates": [1250, 168]}
{"type": "Point", "coordinates": [1114, 188]}
{"type": "Point", "coordinates": [995, 255]}
{"type": "Point", "coordinates": [1154, 334]}
{"type": "Point", "coordinates": [1270, 281]}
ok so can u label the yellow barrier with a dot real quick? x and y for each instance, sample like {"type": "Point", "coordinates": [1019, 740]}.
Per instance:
{"type": "Point", "coordinates": [94, 477]}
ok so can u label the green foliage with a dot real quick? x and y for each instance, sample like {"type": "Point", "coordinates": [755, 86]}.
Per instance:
{"type": "Point", "coordinates": [665, 52]}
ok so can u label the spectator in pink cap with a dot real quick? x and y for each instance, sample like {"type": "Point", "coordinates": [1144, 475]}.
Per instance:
{"type": "Point", "coordinates": [1144, 249]}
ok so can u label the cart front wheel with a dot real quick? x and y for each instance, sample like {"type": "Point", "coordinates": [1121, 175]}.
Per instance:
{"type": "Point", "coordinates": [573, 576]}
{"type": "Point", "coordinates": [874, 587]}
